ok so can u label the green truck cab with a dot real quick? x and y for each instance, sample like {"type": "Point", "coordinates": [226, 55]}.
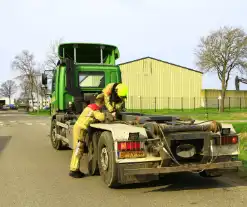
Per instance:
{"type": "Point", "coordinates": [82, 71]}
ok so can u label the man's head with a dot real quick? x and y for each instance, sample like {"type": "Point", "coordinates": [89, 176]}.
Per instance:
{"type": "Point", "coordinates": [100, 100]}
{"type": "Point", "coordinates": [122, 91]}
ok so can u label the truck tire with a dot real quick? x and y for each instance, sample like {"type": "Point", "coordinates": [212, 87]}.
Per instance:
{"type": "Point", "coordinates": [106, 160]}
{"type": "Point", "coordinates": [56, 144]}
{"type": "Point", "coordinates": [93, 168]}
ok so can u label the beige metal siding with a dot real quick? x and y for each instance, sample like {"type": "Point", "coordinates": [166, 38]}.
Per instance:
{"type": "Point", "coordinates": [233, 98]}
{"type": "Point", "coordinates": [155, 84]}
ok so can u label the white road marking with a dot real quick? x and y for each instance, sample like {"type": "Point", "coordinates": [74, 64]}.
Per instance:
{"type": "Point", "coordinates": [26, 122]}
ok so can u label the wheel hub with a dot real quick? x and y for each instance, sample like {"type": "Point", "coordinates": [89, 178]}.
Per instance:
{"type": "Point", "coordinates": [104, 159]}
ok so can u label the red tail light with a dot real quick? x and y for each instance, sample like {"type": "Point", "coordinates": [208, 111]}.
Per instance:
{"type": "Point", "coordinates": [129, 146]}
{"type": "Point", "coordinates": [229, 140]}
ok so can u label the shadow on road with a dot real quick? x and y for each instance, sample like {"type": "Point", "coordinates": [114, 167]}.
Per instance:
{"type": "Point", "coordinates": [4, 140]}
{"type": "Point", "coordinates": [184, 181]}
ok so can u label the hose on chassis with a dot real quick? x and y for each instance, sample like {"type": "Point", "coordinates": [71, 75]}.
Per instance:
{"type": "Point", "coordinates": [174, 159]}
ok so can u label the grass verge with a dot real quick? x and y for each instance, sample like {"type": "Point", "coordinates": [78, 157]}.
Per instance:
{"type": "Point", "coordinates": [40, 113]}
{"type": "Point", "coordinates": [241, 129]}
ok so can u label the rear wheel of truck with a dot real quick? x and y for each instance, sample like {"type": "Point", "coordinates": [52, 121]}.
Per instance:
{"type": "Point", "coordinates": [106, 160]}
{"type": "Point", "coordinates": [93, 168]}
{"type": "Point", "coordinates": [56, 144]}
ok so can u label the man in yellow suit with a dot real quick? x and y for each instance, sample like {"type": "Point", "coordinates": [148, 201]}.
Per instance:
{"type": "Point", "coordinates": [90, 115]}
{"type": "Point", "coordinates": [115, 95]}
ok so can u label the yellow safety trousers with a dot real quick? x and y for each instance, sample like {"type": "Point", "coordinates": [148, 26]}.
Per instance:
{"type": "Point", "coordinates": [87, 117]}
{"type": "Point", "coordinates": [77, 147]}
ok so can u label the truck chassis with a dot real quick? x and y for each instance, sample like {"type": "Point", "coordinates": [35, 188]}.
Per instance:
{"type": "Point", "coordinates": [140, 148]}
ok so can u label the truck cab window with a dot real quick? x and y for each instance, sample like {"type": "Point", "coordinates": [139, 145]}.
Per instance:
{"type": "Point", "coordinates": [92, 79]}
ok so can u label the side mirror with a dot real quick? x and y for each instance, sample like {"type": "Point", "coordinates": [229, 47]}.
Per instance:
{"type": "Point", "coordinates": [44, 79]}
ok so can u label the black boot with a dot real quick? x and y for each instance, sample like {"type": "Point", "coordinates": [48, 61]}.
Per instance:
{"type": "Point", "coordinates": [76, 174]}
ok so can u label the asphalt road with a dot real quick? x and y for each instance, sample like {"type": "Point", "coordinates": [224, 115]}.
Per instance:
{"type": "Point", "coordinates": [33, 174]}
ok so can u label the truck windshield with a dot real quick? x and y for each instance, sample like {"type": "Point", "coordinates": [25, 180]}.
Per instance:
{"type": "Point", "coordinates": [92, 79]}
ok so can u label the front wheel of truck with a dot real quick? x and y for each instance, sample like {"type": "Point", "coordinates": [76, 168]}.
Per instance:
{"type": "Point", "coordinates": [56, 144]}
{"type": "Point", "coordinates": [106, 160]}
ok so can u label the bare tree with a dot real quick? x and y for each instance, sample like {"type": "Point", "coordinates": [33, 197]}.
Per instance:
{"type": "Point", "coordinates": [8, 89]}
{"type": "Point", "coordinates": [223, 51]}
{"type": "Point", "coordinates": [52, 55]}
{"type": "Point", "coordinates": [25, 64]}
{"type": "Point", "coordinates": [25, 94]}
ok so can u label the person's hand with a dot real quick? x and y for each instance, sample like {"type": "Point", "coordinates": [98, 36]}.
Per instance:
{"type": "Point", "coordinates": [113, 114]}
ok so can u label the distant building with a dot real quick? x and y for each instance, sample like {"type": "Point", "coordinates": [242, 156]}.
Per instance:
{"type": "Point", "coordinates": [41, 102]}
{"type": "Point", "coordinates": [6, 101]}
{"type": "Point", "coordinates": [233, 98]}
{"type": "Point", "coordinates": [159, 84]}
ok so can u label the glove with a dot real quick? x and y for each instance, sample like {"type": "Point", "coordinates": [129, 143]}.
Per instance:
{"type": "Point", "coordinates": [108, 117]}
{"type": "Point", "coordinates": [113, 114]}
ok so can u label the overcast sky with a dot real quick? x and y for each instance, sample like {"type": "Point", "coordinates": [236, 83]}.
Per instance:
{"type": "Point", "coordinates": [168, 30]}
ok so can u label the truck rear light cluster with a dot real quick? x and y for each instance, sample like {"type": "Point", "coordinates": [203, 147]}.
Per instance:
{"type": "Point", "coordinates": [130, 146]}
{"type": "Point", "coordinates": [226, 140]}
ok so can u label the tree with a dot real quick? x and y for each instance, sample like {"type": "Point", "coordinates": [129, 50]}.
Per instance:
{"type": "Point", "coordinates": [223, 51]}
{"type": "Point", "coordinates": [25, 64]}
{"type": "Point", "coordinates": [52, 55]}
{"type": "Point", "coordinates": [8, 89]}
{"type": "Point", "coordinates": [51, 59]}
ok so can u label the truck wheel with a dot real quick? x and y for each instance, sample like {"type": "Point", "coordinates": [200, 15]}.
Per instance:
{"type": "Point", "coordinates": [210, 174]}
{"type": "Point", "coordinates": [57, 144]}
{"type": "Point", "coordinates": [93, 168]}
{"type": "Point", "coordinates": [106, 160]}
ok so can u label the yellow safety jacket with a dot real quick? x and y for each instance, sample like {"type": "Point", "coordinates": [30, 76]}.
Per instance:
{"type": "Point", "coordinates": [90, 115]}
{"type": "Point", "coordinates": [111, 107]}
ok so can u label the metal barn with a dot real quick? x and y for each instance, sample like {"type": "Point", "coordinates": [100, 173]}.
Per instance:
{"type": "Point", "coordinates": [156, 84]}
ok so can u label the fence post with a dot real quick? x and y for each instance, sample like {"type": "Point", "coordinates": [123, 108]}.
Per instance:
{"type": "Point", "coordinates": [229, 103]}
{"type": "Point", "coordinates": [155, 104]}
{"type": "Point", "coordinates": [194, 103]}
{"type": "Point", "coordinates": [240, 104]}
{"type": "Point", "coordinates": [132, 105]}
{"type": "Point", "coordinates": [141, 103]}
{"type": "Point", "coordinates": [168, 103]}
{"type": "Point", "coordinates": [182, 103]}
{"type": "Point", "coordinates": [218, 101]}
